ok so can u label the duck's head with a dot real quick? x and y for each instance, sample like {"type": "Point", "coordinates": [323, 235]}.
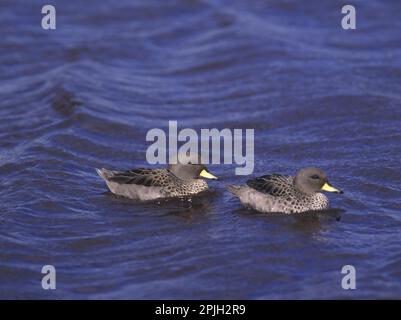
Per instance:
{"type": "Point", "coordinates": [189, 166]}
{"type": "Point", "coordinates": [311, 180]}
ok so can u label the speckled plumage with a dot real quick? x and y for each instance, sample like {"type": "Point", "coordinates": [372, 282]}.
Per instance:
{"type": "Point", "coordinates": [278, 193]}
{"type": "Point", "coordinates": [150, 184]}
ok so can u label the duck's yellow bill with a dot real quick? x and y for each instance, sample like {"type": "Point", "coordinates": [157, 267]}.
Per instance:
{"type": "Point", "coordinates": [329, 188]}
{"type": "Point", "coordinates": [207, 175]}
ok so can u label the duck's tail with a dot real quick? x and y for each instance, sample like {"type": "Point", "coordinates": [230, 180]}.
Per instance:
{"type": "Point", "coordinates": [234, 189]}
{"type": "Point", "coordinates": [104, 173]}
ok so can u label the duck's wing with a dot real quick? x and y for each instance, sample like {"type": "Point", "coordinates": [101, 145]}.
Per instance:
{"type": "Point", "coordinates": [275, 184]}
{"type": "Point", "coordinates": [142, 176]}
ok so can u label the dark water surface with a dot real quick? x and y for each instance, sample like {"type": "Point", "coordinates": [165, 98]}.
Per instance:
{"type": "Point", "coordinates": [85, 95]}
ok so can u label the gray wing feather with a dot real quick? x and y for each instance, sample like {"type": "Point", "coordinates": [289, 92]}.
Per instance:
{"type": "Point", "coordinates": [143, 177]}
{"type": "Point", "coordinates": [275, 184]}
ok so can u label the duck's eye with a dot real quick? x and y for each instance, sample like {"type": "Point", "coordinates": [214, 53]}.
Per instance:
{"type": "Point", "coordinates": [315, 177]}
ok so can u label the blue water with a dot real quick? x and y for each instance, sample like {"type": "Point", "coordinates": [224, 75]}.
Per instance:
{"type": "Point", "coordinates": [85, 95]}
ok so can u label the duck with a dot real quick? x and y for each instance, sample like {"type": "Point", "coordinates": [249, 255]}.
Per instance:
{"type": "Point", "coordinates": [177, 180]}
{"type": "Point", "coordinates": [286, 194]}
